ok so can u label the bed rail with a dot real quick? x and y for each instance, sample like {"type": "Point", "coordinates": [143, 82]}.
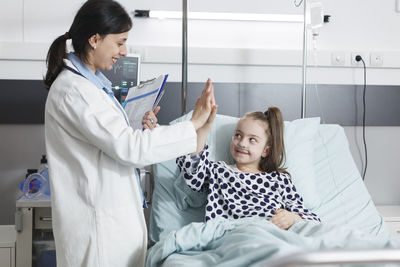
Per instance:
{"type": "Point", "coordinates": [337, 257]}
{"type": "Point", "coordinates": [146, 183]}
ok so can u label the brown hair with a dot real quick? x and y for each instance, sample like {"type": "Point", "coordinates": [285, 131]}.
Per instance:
{"type": "Point", "coordinates": [272, 119]}
{"type": "Point", "coordinates": [95, 16]}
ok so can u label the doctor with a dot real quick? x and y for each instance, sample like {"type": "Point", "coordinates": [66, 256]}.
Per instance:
{"type": "Point", "coordinates": [96, 203]}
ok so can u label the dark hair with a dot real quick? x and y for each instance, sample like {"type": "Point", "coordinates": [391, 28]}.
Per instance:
{"type": "Point", "coordinates": [272, 119]}
{"type": "Point", "coordinates": [95, 16]}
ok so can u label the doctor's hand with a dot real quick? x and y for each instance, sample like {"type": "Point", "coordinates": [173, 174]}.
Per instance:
{"type": "Point", "coordinates": [204, 106]}
{"type": "Point", "coordinates": [149, 119]}
{"type": "Point", "coordinates": [284, 219]}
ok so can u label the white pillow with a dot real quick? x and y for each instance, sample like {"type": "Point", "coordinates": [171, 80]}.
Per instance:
{"type": "Point", "coordinates": [299, 136]}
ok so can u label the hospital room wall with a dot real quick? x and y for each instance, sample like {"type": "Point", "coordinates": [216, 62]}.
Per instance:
{"type": "Point", "coordinates": [225, 51]}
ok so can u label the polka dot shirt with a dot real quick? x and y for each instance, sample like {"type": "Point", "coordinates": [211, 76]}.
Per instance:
{"type": "Point", "coordinates": [235, 194]}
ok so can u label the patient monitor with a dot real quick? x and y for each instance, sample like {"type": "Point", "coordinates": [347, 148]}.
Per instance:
{"type": "Point", "coordinates": [124, 75]}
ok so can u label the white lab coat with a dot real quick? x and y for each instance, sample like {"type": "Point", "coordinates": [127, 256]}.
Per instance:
{"type": "Point", "coordinates": [96, 207]}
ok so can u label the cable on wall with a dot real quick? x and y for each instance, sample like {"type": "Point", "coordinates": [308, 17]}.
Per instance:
{"type": "Point", "coordinates": [298, 4]}
{"type": "Point", "coordinates": [358, 59]}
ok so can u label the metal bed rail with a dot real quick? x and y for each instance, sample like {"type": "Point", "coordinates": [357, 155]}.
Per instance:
{"type": "Point", "coordinates": [146, 183]}
{"type": "Point", "coordinates": [337, 257]}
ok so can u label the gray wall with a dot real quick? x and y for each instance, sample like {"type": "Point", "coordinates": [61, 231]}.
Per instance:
{"type": "Point", "coordinates": [339, 104]}
{"type": "Point", "coordinates": [23, 101]}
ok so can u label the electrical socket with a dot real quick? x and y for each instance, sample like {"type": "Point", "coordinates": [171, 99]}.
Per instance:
{"type": "Point", "coordinates": [338, 58]}
{"type": "Point", "coordinates": [376, 59]}
{"type": "Point", "coordinates": [358, 63]}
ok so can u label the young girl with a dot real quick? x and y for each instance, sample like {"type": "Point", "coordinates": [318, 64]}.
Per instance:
{"type": "Point", "coordinates": [256, 186]}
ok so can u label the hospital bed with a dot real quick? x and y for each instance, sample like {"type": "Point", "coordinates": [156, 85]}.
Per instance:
{"type": "Point", "coordinates": [324, 172]}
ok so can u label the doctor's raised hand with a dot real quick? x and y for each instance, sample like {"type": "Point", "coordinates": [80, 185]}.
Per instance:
{"type": "Point", "coordinates": [93, 152]}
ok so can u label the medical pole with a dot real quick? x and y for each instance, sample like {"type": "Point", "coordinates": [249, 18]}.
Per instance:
{"type": "Point", "coordinates": [184, 55]}
{"type": "Point", "coordinates": [304, 69]}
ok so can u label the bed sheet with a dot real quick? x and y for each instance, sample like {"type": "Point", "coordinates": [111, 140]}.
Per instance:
{"type": "Point", "coordinates": [250, 241]}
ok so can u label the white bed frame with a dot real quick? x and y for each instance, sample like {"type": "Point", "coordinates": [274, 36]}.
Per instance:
{"type": "Point", "coordinates": [337, 257]}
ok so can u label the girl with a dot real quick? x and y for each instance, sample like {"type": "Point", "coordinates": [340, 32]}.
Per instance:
{"type": "Point", "coordinates": [256, 186]}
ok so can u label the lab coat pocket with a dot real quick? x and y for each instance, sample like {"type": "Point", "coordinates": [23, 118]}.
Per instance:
{"type": "Point", "coordinates": [122, 237]}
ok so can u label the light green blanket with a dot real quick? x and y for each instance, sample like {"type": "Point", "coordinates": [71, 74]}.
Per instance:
{"type": "Point", "coordinates": [249, 241]}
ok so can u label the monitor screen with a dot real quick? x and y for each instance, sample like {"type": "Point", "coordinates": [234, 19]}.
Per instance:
{"type": "Point", "coordinates": [123, 75]}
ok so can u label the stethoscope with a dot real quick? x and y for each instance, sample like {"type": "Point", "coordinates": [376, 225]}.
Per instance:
{"type": "Point", "coordinates": [108, 92]}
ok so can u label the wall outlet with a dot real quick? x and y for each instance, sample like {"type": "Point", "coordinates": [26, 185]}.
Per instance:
{"type": "Point", "coordinates": [338, 59]}
{"type": "Point", "coordinates": [355, 63]}
{"type": "Point", "coordinates": [376, 59]}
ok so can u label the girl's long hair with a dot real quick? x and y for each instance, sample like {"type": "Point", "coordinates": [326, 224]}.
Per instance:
{"type": "Point", "coordinates": [273, 121]}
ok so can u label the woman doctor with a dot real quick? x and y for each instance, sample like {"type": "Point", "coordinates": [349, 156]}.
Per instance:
{"type": "Point", "coordinates": [92, 151]}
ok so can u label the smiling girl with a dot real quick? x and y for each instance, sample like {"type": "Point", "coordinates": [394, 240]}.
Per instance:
{"type": "Point", "coordinates": [256, 185]}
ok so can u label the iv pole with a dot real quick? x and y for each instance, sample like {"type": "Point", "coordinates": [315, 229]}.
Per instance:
{"type": "Point", "coordinates": [184, 55]}
{"type": "Point", "coordinates": [304, 68]}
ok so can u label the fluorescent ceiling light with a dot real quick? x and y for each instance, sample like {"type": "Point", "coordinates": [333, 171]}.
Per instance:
{"type": "Point", "coordinates": [219, 16]}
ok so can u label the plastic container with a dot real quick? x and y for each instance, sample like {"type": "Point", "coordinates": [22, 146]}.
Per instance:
{"type": "Point", "coordinates": [28, 172]}
{"type": "Point", "coordinates": [37, 182]}
{"type": "Point", "coordinates": [36, 187]}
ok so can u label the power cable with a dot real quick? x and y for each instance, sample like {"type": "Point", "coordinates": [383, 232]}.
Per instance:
{"type": "Point", "coordinates": [359, 58]}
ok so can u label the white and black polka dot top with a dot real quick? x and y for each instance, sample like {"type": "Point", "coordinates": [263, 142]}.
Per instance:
{"type": "Point", "coordinates": [235, 194]}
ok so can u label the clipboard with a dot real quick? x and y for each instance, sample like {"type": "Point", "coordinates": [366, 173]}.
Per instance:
{"type": "Point", "coordinates": [143, 98]}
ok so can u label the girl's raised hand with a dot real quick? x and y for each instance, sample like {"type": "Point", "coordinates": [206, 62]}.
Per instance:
{"type": "Point", "coordinates": [204, 106]}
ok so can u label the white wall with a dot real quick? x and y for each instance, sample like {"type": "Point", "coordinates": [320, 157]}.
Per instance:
{"type": "Point", "coordinates": [260, 52]}
{"type": "Point", "coordinates": [356, 26]}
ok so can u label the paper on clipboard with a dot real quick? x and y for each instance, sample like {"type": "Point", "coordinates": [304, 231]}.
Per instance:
{"type": "Point", "coordinates": [143, 98]}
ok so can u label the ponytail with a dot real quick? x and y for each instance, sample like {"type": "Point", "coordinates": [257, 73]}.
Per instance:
{"type": "Point", "coordinates": [273, 120]}
{"type": "Point", "coordinates": [54, 60]}
{"type": "Point", "coordinates": [276, 158]}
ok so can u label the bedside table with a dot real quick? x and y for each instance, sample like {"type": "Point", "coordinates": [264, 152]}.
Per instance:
{"type": "Point", "coordinates": [391, 216]}
{"type": "Point", "coordinates": [34, 226]}
{"type": "Point", "coordinates": [7, 245]}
